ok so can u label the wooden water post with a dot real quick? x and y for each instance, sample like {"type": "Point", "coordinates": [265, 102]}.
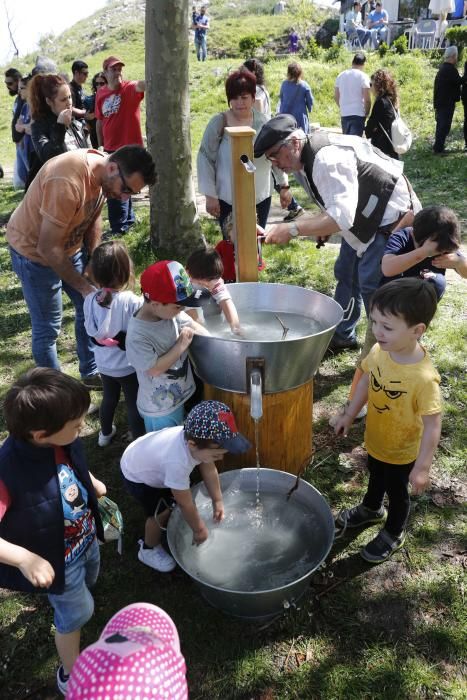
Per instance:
{"type": "Point", "coordinates": [285, 429]}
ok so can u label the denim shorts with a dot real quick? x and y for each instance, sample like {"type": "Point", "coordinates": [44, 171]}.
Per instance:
{"type": "Point", "coordinates": [75, 606]}
{"type": "Point", "coordinates": [153, 423]}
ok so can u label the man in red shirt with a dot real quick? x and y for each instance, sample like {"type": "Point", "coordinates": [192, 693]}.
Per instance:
{"type": "Point", "coordinates": [119, 124]}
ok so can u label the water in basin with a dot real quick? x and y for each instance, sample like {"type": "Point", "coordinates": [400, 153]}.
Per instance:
{"type": "Point", "coordinates": [264, 325]}
{"type": "Point", "coordinates": [256, 547]}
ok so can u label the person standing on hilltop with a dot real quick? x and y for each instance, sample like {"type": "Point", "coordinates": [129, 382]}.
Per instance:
{"type": "Point", "coordinates": [201, 26]}
{"type": "Point", "coordinates": [118, 115]}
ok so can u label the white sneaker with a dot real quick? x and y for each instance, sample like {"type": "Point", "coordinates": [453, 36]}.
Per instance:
{"type": "Point", "coordinates": [104, 440]}
{"type": "Point", "coordinates": [156, 558]}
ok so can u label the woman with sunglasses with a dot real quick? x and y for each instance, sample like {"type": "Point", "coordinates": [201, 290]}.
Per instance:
{"type": "Point", "coordinates": [53, 130]}
{"type": "Point", "coordinates": [214, 157]}
{"type": "Point", "coordinates": [98, 81]}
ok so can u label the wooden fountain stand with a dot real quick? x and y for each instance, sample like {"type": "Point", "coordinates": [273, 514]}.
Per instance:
{"type": "Point", "coordinates": [285, 429]}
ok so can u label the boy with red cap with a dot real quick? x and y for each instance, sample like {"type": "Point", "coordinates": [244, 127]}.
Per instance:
{"type": "Point", "coordinates": [156, 470]}
{"type": "Point", "coordinates": [156, 344]}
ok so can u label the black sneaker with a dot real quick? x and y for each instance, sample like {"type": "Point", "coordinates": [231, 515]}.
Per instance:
{"type": "Point", "coordinates": [62, 680]}
{"type": "Point", "coordinates": [339, 344]}
{"type": "Point", "coordinates": [360, 515]}
{"type": "Point", "coordinates": [382, 547]}
{"type": "Point", "coordinates": [93, 381]}
{"type": "Point", "coordinates": [294, 214]}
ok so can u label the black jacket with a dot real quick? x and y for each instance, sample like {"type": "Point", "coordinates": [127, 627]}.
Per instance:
{"type": "Point", "coordinates": [18, 106]}
{"type": "Point", "coordinates": [48, 139]}
{"type": "Point", "coordinates": [48, 136]}
{"type": "Point", "coordinates": [382, 115]}
{"type": "Point", "coordinates": [447, 86]}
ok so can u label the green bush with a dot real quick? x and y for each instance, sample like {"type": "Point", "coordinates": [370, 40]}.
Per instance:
{"type": "Point", "coordinates": [249, 44]}
{"type": "Point", "coordinates": [311, 49]}
{"type": "Point", "coordinates": [400, 45]}
{"type": "Point", "coordinates": [340, 39]}
{"type": "Point", "coordinates": [457, 36]}
{"type": "Point", "coordinates": [383, 48]}
{"type": "Point", "coordinates": [334, 53]}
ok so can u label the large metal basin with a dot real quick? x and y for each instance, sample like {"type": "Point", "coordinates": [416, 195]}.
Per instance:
{"type": "Point", "coordinates": [270, 600]}
{"type": "Point", "coordinates": [221, 362]}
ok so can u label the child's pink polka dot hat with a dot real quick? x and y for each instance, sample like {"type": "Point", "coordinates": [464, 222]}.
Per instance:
{"type": "Point", "coordinates": [137, 656]}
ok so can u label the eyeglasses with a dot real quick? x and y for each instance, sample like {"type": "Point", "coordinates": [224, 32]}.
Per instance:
{"type": "Point", "coordinates": [100, 83]}
{"type": "Point", "coordinates": [274, 155]}
{"type": "Point", "coordinates": [125, 188]}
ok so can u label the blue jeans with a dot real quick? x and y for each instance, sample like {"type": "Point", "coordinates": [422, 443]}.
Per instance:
{"type": "Point", "coordinates": [121, 215]}
{"type": "Point", "coordinates": [42, 291]}
{"type": "Point", "coordinates": [75, 606]}
{"type": "Point", "coordinates": [201, 47]}
{"type": "Point", "coordinates": [22, 161]}
{"type": "Point", "coordinates": [378, 35]}
{"type": "Point", "coordinates": [353, 125]}
{"type": "Point", "coordinates": [153, 423]}
{"type": "Point", "coordinates": [358, 278]}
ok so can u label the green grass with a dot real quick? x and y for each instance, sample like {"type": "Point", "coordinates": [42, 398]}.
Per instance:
{"type": "Point", "coordinates": [360, 633]}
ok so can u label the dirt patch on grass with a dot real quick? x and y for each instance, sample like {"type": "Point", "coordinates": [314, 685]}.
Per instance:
{"type": "Point", "coordinates": [448, 491]}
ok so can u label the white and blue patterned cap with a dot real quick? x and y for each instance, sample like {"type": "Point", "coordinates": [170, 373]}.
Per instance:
{"type": "Point", "coordinates": [213, 420]}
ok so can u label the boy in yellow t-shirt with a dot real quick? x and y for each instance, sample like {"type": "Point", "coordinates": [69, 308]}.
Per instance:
{"type": "Point", "coordinates": [403, 424]}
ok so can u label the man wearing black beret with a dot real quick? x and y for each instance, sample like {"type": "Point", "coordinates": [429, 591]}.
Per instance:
{"type": "Point", "coordinates": [362, 194]}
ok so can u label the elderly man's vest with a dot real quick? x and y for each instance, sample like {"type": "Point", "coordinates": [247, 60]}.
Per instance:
{"type": "Point", "coordinates": [375, 185]}
{"type": "Point", "coordinates": [35, 518]}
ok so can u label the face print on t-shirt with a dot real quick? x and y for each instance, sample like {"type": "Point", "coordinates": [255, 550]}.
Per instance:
{"type": "Point", "coordinates": [74, 495]}
{"type": "Point", "coordinates": [111, 104]}
{"type": "Point", "coordinates": [383, 395]}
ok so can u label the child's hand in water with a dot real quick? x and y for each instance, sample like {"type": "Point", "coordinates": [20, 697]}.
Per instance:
{"type": "Point", "coordinates": [218, 510]}
{"type": "Point", "coordinates": [237, 330]}
{"type": "Point", "coordinates": [200, 535]}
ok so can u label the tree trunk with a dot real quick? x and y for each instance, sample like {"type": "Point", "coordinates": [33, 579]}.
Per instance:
{"type": "Point", "coordinates": [175, 229]}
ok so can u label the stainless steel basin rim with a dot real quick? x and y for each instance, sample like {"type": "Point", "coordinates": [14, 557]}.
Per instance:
{"type": "Point", "coordinates": [270, 601]}
{"type": "Point", "coordinates": [290, 362]}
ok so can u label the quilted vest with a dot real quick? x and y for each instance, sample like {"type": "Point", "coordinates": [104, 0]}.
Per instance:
{"type": "Point", "coordinates": [34, 519]}
{"type": "Point", "coordinates": [375, 186]}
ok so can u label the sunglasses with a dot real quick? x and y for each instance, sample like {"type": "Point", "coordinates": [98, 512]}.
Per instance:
{"type": "Point", "coordinates": [125, 188]}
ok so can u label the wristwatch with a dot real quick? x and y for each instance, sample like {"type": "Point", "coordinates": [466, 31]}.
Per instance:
{"type": "Point", "coordinates": [293, 230]}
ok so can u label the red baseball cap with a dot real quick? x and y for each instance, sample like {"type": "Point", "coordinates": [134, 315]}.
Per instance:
{"type": "Point", "coordinates": [168, 282]}
{"type": "Point", "coordinates": [111, 61]}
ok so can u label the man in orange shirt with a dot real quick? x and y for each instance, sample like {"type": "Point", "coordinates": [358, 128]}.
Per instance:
{"type": "Point", "coordinates": [54, 231]}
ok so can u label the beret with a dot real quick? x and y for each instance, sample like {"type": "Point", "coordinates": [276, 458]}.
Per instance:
{"type": "Point", "coordinates": [275, 130]}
